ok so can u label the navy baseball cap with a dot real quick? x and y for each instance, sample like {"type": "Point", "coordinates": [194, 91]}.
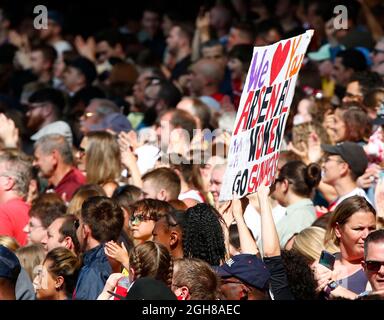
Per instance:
{"type": "Point", "coordinates": [9, 264]}
{"type": "Point", "coordinates": [114, 121]}
{"type": "Point", "coordinates": [247, 268]}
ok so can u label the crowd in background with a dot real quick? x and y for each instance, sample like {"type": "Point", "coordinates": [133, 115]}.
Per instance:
{"type": "Point", "coordinates": [113, 148]}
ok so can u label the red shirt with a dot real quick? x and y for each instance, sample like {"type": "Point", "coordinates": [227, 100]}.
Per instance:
{"type": "Point", "coordinates": [13, 218]}
{"type": "Point", "coordinates": [70, 183]}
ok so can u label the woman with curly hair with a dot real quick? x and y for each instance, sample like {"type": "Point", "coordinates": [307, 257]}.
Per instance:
{"type": "Point", "coordinates": [203, 236]}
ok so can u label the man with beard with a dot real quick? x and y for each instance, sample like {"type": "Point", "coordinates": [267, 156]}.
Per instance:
{"type": "Point", "coordinates": [44, 113]}
{"type": "Point", "coordinates": [179, 46]}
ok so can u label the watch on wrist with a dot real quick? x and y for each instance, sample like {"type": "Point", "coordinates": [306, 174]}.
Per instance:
{"type": "Point", "coordinates": [330, 287]}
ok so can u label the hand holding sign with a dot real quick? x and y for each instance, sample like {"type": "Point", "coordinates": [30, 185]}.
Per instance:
{"type": "Point", "coordinates": [262, 115]}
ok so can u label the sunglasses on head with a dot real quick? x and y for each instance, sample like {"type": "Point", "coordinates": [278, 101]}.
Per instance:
{"type": "Point", "coordinates": [373, 266]}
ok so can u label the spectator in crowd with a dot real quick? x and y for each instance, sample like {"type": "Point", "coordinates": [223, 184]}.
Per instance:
{"type": "Point", "coordinates": [244, 277]}
{"type": "Point", "coordinates": [205, 78]}
{"type": "Point", "coordinates": [378, 57]}
{"type": "Point", "coordinates": [53, 34]}
{"type": "Point", "coordinates": [44, 210]}
{"type": "Point", "coordinates": [342, 165]}
{"type": "Point", "coordinates": [31, 257]}
{"type": "Point", "coordinates": [110, 45]}
{"type": "Point", "coordinates": [215, 50]}
{"type": "Point", "coordinates": [194, 279]}
{"type": "Point", "coordinates": [168, 231]}
{"type": "Point", "coordinates": [203, 236]}
{"type": "Point", "coordinates": [241, 33]}
{"type": "Point", "coordinates": [44, 113]}
{"type": "Point", "coordinates": [293, 189]}
{"type": "Point", "coordinates": [148, 259]}
{"type": "Point", "coordinates": [161, 184]}
{"type": "Point", "coordinates": [43, 58]}
{"type": "Point", "coordinates": [176, 131]}
{"type": "Point", "coordinates": [83, 193]}
{"type": "Point", "coordinates": [351, 222]}
{"type": "Point", "coordinates": [374, 259]}
{"type": "Point", "coordinates": [179, 47]}
{"type": "Point", "coordinates": [100, 221]}
{"type": "Point", "coordinates": [58, 275]}
{"type": "Point", "coordinates": [144, 214]}
{"type": "Point", "coordinates": [16, 173]}
{"type": "Point", "coordinates": [216, 181]}
{"type": "Point", "coordinates": [346, 63]}
{"type": "Point", "coordinates": [79, 73]}
{"type": "Point", "coordinates": [62, 233]}
{"type": "Point", "coordinates": [9, 271]}
{"type": "Point", "coordinates": [102, 160]}
{"type": "Point", "coordinates": [360, 84]}
{"type": "Point", "coordinates": [54, 159]}
{"type": "Point", "coordinates": [96, 111]}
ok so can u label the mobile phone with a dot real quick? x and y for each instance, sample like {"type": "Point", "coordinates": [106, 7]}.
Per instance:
{"type": "Point", "coordinates": [327, 259]}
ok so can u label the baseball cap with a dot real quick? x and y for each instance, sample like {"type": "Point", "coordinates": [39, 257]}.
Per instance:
{"type": "Point", "coordinates": [247, 268]}
{"type": "Point", "coordinates": [86, 67]}
{"type": "Point", "coordinates": [114, 121]}
{"type": "Point", "coordinates": [324, 53]}
{"type": "Point", "coordinates": [149, 289]}
{"type": "Point", "coordinates": [352, 153]}
{"type": "Point", "coordinates": [9, 264]}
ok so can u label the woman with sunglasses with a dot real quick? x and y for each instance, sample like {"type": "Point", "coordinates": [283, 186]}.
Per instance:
{"type": "Point", "coordinates": [293, 189]}
{"type": "Point", "coordinates": [350, 224]}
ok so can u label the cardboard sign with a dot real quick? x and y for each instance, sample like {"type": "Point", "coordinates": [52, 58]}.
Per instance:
{"type": "Point", "coordinates": [262, 115]}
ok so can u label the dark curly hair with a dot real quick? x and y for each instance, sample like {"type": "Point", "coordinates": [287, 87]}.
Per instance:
{"type": "Point", "coordinates": [300, 277]}
{"type": "Point", "coordinates": [203, 236]}
{"type": "Point", "coordinates": [151, 259]}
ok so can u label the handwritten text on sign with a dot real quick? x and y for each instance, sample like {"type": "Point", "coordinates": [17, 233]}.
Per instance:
{"type": "Point", "coordinates": [262, 115]}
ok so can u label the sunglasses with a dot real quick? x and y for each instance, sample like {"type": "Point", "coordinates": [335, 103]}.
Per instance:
{"type": "Point", "coordinates": [138, 219]}
{"type": "Point", "coordinates": [374, 266]}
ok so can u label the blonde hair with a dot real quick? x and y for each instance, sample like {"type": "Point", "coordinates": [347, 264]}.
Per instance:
{"type": "Point", "coordinates": [82, 194]}
{"type": "Point", "coordinates": [9, 243]}
{"type": "Point", "coordinates": [310, 242]}
{"type": "Point", "coordinates": [30, 257]}
{"type": "Point", "coordinates": [102, 158]}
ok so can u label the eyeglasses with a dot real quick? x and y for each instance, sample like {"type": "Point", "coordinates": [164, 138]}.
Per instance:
{"type": "Point", "coordinates": [374, 266]}
{"type": "Point", "coordinates": [138, 219]}
{"type": "Point", "coordinates": [376, 51]}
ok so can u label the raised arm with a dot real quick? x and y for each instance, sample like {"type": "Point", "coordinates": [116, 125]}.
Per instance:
{"type": "Point", "coordinates": [247, 242]}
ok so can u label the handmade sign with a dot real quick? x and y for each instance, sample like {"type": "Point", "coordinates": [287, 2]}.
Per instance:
{"type": "Point", "coordinates": [262, 115]}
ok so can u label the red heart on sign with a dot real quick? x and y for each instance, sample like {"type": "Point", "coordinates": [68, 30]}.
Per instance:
{"type": "Point", "coordinates": [278, 60]}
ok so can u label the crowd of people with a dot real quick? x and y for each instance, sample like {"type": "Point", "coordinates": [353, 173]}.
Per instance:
{"type": "Point", "coordinates": [113, 149]}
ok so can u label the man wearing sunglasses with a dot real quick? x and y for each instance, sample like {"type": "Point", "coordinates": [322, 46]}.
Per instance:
{"type": "Point", "coordinates": [373, 263]}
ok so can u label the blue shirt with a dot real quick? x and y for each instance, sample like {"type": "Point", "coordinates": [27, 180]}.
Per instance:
{"type": "Point", "coordinates": [93, 275]}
